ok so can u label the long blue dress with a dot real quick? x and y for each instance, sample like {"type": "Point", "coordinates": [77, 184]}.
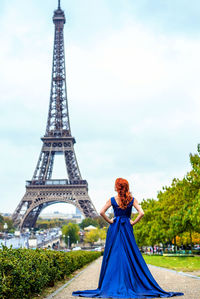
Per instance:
{"type": "Point", "coordinates": [124, 272]}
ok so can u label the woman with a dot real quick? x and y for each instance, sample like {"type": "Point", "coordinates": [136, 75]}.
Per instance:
{"type": "Point", "coordinates": [124, 272]}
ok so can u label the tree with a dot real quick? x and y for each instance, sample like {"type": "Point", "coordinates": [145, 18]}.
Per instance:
{"type": "Point", "coordinates": [1, 222]}
{"type": "Point", "coordinates": [50, 223]}
{"type": "Point", "coordinates": [91, 236]}
{"type": "Point", "coordinates": [9, 222]}
{"type": "Point", "coordinates": [102, 233]}
{"type": "Point", "coordinates": [148, 230]}
{"type": "Point", "coordinates": [72, 231]}
{"type": "Point", "coordinates": [185, 239]}
{"type": "Point", "coordinates": [88, 221]}
{"type": "Point", "coordinates": [180, 203]}
{"type": "Point", "coordinates": [101, 221]}
{"type": "Point", "coordinates": [141, 229]}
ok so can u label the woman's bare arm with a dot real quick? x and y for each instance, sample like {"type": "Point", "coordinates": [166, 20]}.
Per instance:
{"type": "Point", "coordinates": [104, 209]}
{"type": "Point", "coordinates": [140, 211]}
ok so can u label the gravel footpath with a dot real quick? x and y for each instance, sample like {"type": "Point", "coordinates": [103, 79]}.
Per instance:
{"type": "Point", "coordinates": [168, 280]}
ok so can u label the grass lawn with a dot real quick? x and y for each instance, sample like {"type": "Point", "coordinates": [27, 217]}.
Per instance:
{"type": "Point", "coordinates": [185, 264]}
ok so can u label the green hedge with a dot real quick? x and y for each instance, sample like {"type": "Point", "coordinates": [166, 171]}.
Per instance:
{"type": "Point", "coordinates": [197, 251]}
{"type": "Point", "coordinates": [24, 272]}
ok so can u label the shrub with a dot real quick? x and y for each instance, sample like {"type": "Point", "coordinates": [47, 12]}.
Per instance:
{"type": "Point", "coordinates": [197, 251]}
{"type": "Point", "coordinates": [24, 272]}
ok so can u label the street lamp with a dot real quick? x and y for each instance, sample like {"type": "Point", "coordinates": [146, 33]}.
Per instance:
{"type": "Point", "coordinates": [5, 228]}
{"type": "Point", "coordinates": [63, 240]}
{"type": "Point", "coordinates": [68, 241]}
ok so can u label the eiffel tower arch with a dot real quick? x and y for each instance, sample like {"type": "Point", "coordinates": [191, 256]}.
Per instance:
{"type": "Point", "coordinates": [42, 190]}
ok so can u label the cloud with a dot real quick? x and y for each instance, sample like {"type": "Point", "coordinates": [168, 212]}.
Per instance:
{"type": "Point", "coordinates": [133, 102]}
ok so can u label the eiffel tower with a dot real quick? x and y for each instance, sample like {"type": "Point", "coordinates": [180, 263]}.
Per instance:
{"type": "Point", "coordinates": [43, 191]}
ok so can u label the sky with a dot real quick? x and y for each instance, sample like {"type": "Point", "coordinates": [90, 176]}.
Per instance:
{"type": "Point", "coordinates": [133, 72]}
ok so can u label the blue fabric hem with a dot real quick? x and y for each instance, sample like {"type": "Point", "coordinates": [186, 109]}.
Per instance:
{"type": "Point", "coordinates": [128, 297]}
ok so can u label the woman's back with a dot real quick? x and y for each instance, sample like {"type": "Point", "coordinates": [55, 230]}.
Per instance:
{"type": "Point", "coordinates": [122, 212]}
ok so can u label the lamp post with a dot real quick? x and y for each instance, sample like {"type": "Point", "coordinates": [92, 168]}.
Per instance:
{"type": "Point", "coordinates": [5, 228]}
{"type": "Point", "coordinates": [27, 240]}
{"type": "Point", "coordinates": [63, 240]}
{"type": "Point", "coordinates": [68, 241]}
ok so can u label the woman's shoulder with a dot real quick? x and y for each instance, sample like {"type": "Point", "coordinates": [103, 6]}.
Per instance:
{"type": "Point", "coordinates": [113, 201]}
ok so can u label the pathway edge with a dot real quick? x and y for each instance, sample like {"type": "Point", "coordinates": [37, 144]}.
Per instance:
{"type": "Point", "coordinates": [177, 272]}
{"type": "Point", "coordinates": [69, 281]}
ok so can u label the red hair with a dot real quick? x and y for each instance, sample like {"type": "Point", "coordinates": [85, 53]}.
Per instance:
{"type": "Point", "coordinates": [122, 187]}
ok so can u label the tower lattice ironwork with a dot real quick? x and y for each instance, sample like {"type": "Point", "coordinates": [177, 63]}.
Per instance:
{"type": "Point", "coordinates": [43, 191]}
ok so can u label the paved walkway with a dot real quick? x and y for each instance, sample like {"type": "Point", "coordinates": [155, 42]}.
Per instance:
{"type": "Point", "coordinates": [168, 280]}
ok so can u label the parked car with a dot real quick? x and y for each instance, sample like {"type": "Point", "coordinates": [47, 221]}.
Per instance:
{"type": "Point", "coordinates": [97, 249]}
{"type": "Point", "coordinates": [76, 248]}
{"type": "Point", "coordinates": [196, 248]}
